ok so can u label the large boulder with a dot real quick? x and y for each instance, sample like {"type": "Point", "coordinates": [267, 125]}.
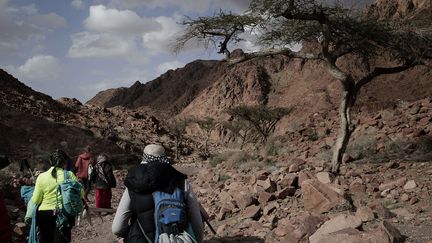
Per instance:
{"type": "Point", "coordinates": [319, 198]}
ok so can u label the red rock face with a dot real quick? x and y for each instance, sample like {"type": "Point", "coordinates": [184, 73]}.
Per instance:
{"type": "Point", "coordinates": [396, 9]}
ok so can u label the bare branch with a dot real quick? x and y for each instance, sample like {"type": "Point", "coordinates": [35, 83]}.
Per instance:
{"type": "Point", "coordinates": [380, 71]}
{"type": "Point", "coordinates": [273, 52]}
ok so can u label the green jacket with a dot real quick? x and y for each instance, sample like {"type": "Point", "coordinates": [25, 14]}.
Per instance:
{"type": "Point", "coordinates": [45, 190]}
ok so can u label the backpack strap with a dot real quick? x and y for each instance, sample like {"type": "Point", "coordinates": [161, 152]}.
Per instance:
{"type": "Point", "coordinates": [142, 230]}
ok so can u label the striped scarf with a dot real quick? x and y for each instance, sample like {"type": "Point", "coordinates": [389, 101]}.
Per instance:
{"type": "Point", "coordinates": [99, 168]}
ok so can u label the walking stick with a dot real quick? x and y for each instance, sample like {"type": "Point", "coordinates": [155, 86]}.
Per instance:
{"type": "Point", "coordinates": [205, 217]}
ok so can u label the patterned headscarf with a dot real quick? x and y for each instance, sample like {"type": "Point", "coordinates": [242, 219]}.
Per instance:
{"type": "Point", "coordinates": [154, 153]}
{"type": "Point", "coordinates": [147, 158]}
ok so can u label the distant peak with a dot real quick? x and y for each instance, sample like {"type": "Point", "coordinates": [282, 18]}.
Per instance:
{"type": "Point", "coordinates": [138, 83]}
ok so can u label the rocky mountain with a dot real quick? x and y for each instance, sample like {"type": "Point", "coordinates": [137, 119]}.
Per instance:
{"type": "Point", "coordinates": [280, 191]}
{"type": "Point", "coordinates": [33, 124]}
{"type": "Point", "coordinates": [169, 93]}
{"type": "Point", "coordinates": [396, 9]}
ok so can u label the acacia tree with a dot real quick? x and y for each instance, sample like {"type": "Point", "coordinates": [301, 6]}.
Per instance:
{"type": "Point", "coordinates": [214, 31]}
{"type": "Point", "coordinates": [207, 124]}
{"type": "Point", "coordinates": [177, 128]}
{"type": "Point", "coordinates": [242, 129]}
{"type": "Point", "coordinates": [338, 31]}
{"type": "Point", "coordinates": [261, 118]}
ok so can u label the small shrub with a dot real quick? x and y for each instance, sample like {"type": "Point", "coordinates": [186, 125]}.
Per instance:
{"type": "Point", "coordinates": [313, 136]}
{"type": "Point", "coordinates": [324, 155]}
{"type": "Point", "coordinates": [396, 146]}
{"type": "Point", "coordinates": [241, 157]}
{"type": "Point", "coordinates": [363, 146]}
{"type": "Point", "coordinates": [425, 144]}
{"type": "Point", "coordinates": [215, 160]}
{"type": "Point", "coordinates": [224, 177]}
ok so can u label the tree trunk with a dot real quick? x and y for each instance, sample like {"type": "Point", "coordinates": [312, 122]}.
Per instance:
{"type": "Point", "coordinates": [177, 144]}
{"type": "Point", "coordinates": [346, 128]}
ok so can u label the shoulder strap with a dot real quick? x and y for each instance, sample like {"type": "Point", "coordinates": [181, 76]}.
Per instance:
{"type": "Point", "coordinates": [142, 230]}
{"type": "Point", "coordinates": [65, 175]}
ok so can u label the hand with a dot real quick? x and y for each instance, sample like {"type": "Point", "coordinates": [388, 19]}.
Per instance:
{"type": "Point", "coordinates": [28, 220]}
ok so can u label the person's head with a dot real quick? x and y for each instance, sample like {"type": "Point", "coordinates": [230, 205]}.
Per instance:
{"type": "Point", "coordinates": [58, 159]}
{"type": "Point", "coordinates": [102, 158]}
{"type": "Point", "coordinates": [155, 153]}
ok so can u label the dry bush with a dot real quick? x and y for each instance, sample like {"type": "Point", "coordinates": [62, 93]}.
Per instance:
{"type": "Point", "coordinates": [362, 147]}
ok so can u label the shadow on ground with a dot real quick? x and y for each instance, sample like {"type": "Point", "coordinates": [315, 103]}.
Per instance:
{"type": "Point", "coordinates": [236, 239]}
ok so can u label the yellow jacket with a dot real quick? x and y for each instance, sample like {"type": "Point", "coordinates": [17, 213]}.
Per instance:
{"type": "Point", "coordinates": [46, 188]}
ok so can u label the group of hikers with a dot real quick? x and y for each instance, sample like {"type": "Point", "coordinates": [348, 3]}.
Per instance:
{"type": "Point", "coordinates": [158, 204]}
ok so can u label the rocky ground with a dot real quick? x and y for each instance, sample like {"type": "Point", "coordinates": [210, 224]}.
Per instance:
{"type": "Point", "coordinates": [284, 193]}
{"type": "Point", "coordinates": [296, 201]}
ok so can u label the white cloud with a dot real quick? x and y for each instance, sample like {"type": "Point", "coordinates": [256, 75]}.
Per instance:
{"type": "Point", "coordinates": [163, 67]}
{"type": "Point", "coordinates": [188, 6]}
{"type": "Point", "coordinates": [51, 20]}
{"type": "Point", "coordinates": [78, 4]}
{"type": "Point", "coordinates": [161, 40]}
{"type": "Point", "coordinates": [104, 20]}
{"type": "Point", "coordinates": [86, 44]}
{"type": "Point", "coordinates": [184, 5]}
{"type": "Point", "coordinates": [38, 68]}
{"type": "Point", "coordinates": [22, 26]}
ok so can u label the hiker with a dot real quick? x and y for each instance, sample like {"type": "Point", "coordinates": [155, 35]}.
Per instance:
{"type": "Point", "coordinates": [104, 181]}
{"type": "Point", "coordinates": [48, 201]}
{"type": "Point", "coordinates": [135, 219]}
{"type": "Point", "coordinates": [82, 165]}
{"type": "Point", "coordinates": [5, 224]}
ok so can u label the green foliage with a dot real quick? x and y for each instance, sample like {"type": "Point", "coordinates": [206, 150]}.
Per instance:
{"type": "Point", "coordinates": [207, 124]}
{"type": "Point", "coordinates": [362, 147]}
{"type": "Point", "coordinates": [424, 145]}
{"type": "Point", "coordinates": [396, 146]}
{"type": "Point", "coordinates": [215, 31]}
{"type": "Point", "coordinates": [338, 29]}
{"type": "Point", "coordinates": [276, 146]}
{"type": "Point", "coordinates": [243, 130]}
{"type": "Point", "coordinates": [224, 177]}
{"type": "Point", "coordinates": [215, 160]}
{"type": "Point", "coordinates": [177, 129]}
{"type": "Point", "coordinates": [260, 118]}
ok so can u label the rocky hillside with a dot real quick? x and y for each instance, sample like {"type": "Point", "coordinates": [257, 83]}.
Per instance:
{"type": "Point", "coordinates": [33, 124]}
{"type": "Point", "coordinates": [169, 93]}
{"type": "Point", "coordinates": [396, 9]}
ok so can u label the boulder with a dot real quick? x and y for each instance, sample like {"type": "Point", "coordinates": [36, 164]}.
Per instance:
{"type": "Point", "coordinates": [286, 192]}
{"type": "Point", "coordinates": [365, 214]}
{"type": "Point", "coordinates": [243, 199]}
{"type": "Point", "coordinates": [299, 228]}
{"type": "Point", "coordinates": [252, 212]}
{"type": "Point", "coordinates": [338, 223]}
{"type": "Point", "coordinates": [410, 185]}
{"type": "Point", "coordinates": [319, 198]}
{"type": "Point", "coordinates": [324, 177]}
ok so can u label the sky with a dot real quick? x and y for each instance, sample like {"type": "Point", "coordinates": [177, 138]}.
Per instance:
{"type": "Point", "coordinates": [76, 48]}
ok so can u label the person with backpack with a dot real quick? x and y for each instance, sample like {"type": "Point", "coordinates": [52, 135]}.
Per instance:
{"type": "Point", "coordinates": [158, 204]}
{"type": "Point", "coordinates": [84, 167]}
{"type": "Point", "coordinates": [57, 199]}
{"type": "Point", "coordinates": [104, 181]}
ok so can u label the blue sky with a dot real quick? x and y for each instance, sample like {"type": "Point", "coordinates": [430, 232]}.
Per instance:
{"type": "Point", "coordinates": [76, 48]}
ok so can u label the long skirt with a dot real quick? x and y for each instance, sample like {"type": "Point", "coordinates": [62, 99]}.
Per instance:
{"type": "Point", "coordinates": [103, 198]}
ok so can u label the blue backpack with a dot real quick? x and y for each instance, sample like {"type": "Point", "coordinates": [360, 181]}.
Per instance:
{"type": "Point", "coordinates": [170, 216]}
{"type": "Point", "coordinates": [71, 196]}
